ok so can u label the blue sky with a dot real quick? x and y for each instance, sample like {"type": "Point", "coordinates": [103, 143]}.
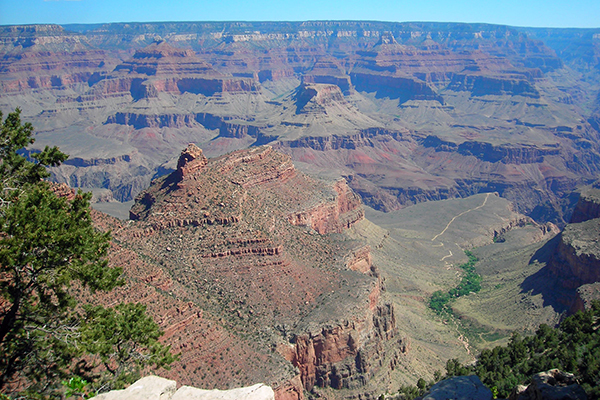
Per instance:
{"type": "Point", "coordinates": [533, 13]}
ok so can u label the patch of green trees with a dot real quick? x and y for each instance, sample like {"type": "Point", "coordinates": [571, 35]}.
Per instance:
{"type": "Point", "coordinates": [49, 251]}
{"type": "Point", "coordinates": [470, 283]}
{"type": "Point", "coordinates": [573, 347]}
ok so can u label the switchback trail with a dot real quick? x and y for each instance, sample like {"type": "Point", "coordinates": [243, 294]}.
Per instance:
{"type": "Point", "coordinates": [461, 214]}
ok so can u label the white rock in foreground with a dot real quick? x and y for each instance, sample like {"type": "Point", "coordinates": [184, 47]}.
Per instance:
{"type": "Point", "coordinates": [147, 388]}
{"type": "Point", "coordinates": [157, 388]}
{"type": "Point", "coordinates": [255, 392]}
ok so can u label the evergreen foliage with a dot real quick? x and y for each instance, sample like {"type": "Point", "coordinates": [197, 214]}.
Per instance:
{"type": "Point", "coordinates": [572, 347]}
{"type": "Point", "coordinates": [47, 245]}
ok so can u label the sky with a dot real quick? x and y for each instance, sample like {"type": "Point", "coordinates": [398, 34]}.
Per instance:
{"type": "Point", "coordinates": [530, 13]}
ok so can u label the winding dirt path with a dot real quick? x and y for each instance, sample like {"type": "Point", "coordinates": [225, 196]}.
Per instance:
{"type": "Point", "coordinates": [460, 215]}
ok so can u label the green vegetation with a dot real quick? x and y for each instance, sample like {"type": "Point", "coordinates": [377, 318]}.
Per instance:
{"type": "Point", "coordinates": [573, 347]}
{"type": "Point", "coordinates": [50, 250]}
{"type": "Point", "coordinates": [470, 283]}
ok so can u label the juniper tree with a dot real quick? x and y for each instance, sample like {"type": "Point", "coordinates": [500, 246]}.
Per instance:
{"type": "Point", "coordinates": [48, 248]}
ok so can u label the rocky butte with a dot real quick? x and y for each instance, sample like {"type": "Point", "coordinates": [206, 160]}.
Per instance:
{"type": "Point", "coordinates": [246, 264]}
{"type": "Point", "coordinates": [574, 267]}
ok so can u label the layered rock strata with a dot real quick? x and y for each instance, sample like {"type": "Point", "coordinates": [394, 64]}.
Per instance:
{"type": "Point", "coordinates": [505, 114]}
{"type": "Point", "coordinates": [260, 250]}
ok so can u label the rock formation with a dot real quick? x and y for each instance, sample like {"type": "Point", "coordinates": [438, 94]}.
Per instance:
{"type": "Point", "coordinates": [253, 249]}
{"type": "Point", "coordinates": [550, 385]}
{"type": "Point", "coordinates": [458, 387]}
{"type": "Point", "coordinates": [575, 262]}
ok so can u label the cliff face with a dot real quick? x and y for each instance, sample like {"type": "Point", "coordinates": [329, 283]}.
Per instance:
{"type": "Point", "coordinates": [224, 236]}
{"type": "Point", "coordinates": [332, 217]}
{"type": "Point", "coordinates": [347, 355]}
{"type": "Point", "coordinates": [588, 206]}
{"type": "Point", "coordinates": [576, 260]}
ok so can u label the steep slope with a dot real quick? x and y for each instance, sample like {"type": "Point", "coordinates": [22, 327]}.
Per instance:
{"type": "Point", "coordinates": [256, 252]}
{"type": "Point", "coordinates": [575, 263]}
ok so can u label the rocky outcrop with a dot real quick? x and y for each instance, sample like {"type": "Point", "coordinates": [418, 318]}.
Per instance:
{"type": "Point", "coordinates": [588, 206]}
{"type": "Point", "coordinates": [506, 154]}
{"type": "Point", "coordinates": [360, 260]}
{"type": "Point", "coordinates": [191, 161]}
{"type": "Point", "coordinates": [328, 71]}
{"type": "Point", "coordinates": [332, 217]}
{"type": "Point", "coordinates": [161, 68]}
{"type": "Point", "coordinates": [218, 232]}
{"type": "Point", "coordinates": [140, 121]}
{"type": "Point", "coordinates": [576, 258]}
{"type": "Point", "coordinates": [458, 387]}
{"type": "Point", "coordinates": [586, 294]}
{"type": "Point", "coordinates": [481, 85]}
{"type": "Point", "coordinates": [237, 130]}
{"type": "Point", "coordinates": [396, 87]}
{"type": "Point", "coordinates": [336, 142]}
{"type": "Point", "coordinates": [550, 385]}
{"type": "Point", "coordinates": [348, 354]}
{"type": "Point", "coordinates": [156, 388]}
{"type": "Point", "coordinates": [247, 178]}
{"type": "Point", "coordinates": [314, 97]}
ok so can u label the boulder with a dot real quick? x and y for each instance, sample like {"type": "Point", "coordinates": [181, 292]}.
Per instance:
{"type": "Point", "coordinates": [255, 392]}
{"type": "Point", "coordinates": [551, 385]}
{"type": "Point", "coordinates": [458, 388]}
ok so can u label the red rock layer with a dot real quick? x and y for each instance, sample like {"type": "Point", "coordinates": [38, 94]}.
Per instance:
{"type": "Point", "coordinates": [333, 217]}
{"type": "Point", "coordinates": [219, 234]}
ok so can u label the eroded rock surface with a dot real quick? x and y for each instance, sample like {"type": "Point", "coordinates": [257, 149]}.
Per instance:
{"type": "Point", "coordinates": [551, 385]}
{"type": "Point", "coordinates": [406, 112]}
{"type": "Point", "coordinates": [576, 259]}
{"type": "Point", "coordinates": [460, 388]}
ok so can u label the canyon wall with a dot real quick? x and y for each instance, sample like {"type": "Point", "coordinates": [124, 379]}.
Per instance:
{"type": "Point", "coordinates": [234, 237]}
{"type": "Point", "coordinates": [402, 111]}
{"type": "Point", "coordinates": [576, 259]}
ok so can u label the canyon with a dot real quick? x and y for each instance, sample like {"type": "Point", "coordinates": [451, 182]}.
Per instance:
{"type": "Point", "coordinates": [246, 264]}
{"type": "Point", "coordinates": [300, 189]}
{"type": "Point", "coordinates": [405, 112]}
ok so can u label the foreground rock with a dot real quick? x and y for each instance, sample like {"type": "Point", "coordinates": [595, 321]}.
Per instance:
{"type": "Point", "coordinates": [459, 388]}
{"type": "Point", "coordinates": [156, 388]}
{"type": "Point", "coordinates": [550, 385]}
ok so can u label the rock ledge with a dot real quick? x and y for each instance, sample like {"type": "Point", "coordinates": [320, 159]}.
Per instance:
{"type": "Point", "coordinates": [157, 388]}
